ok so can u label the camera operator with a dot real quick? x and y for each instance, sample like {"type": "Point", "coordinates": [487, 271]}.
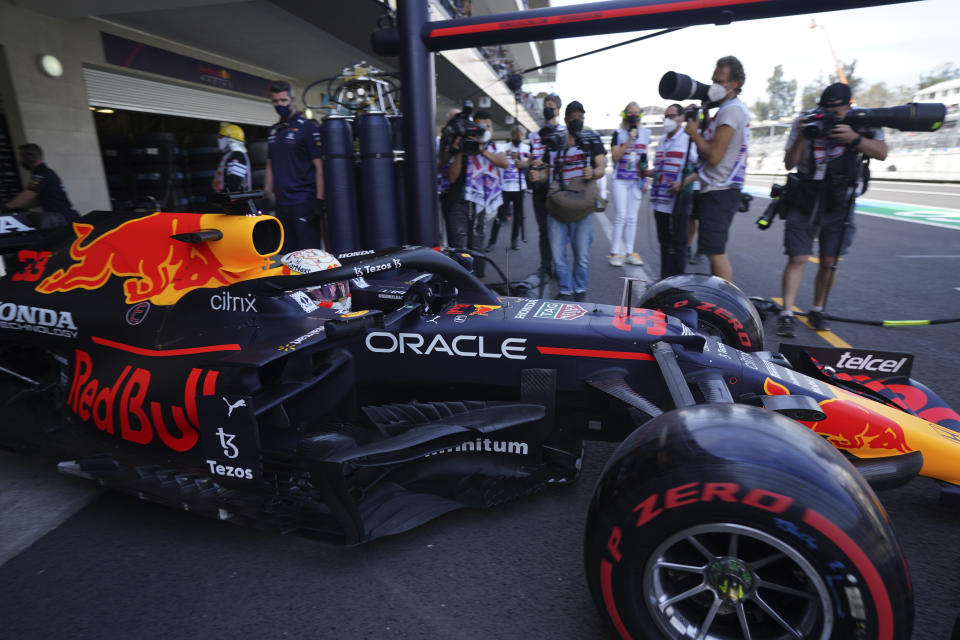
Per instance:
{"type": "Point", "coordinates": [628, 146]}
{"type": "Point", "coordinates": [474, 174]}
{"type": "Point", "coordinates": [551, 110]}
{"type": "Point", "coordinates": [671, 203]}
{"type": "Point", "coordinates": [514, 185]}
{"type": "Point", "coordinates": [441, 147]}
{"type": "Point", "coordinates": [828, 156]}
{"type": "Point", "coordinates": [577, 162]}
{"type": "Point", "coordinates": [723, 162]}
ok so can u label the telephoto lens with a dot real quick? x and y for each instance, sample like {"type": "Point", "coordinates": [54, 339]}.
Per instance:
{"type": "Point", "coordinates": [676, 86]}
{"type": "Point", "coordinates": [915, 116]}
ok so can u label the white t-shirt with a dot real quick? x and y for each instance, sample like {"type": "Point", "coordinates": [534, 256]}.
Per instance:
{"type": "Point", "coordinates": [730, 172]}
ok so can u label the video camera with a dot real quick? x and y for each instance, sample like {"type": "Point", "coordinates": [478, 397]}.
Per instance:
{"type": "Point", "coordinates": [462, 126]}
{"type": "Point", "coordinates": [915, 116]}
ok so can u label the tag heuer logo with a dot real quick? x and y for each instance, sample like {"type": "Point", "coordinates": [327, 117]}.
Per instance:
{"type": "Point", "coordinates": [559, 311]}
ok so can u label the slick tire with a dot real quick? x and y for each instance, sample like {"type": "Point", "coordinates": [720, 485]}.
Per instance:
{"type": "Point", "coordinates": [733, 522]}
{"type": "Point", "coordinates": [723, 310]}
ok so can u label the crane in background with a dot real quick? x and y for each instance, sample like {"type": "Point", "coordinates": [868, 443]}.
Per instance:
{"type": "Point", "coordinates": [840, 74]}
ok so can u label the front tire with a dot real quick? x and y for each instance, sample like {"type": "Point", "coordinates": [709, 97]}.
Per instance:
{"type": "Point", "coordinates": [727, 521]}
{"type": "Point", "coordinates": [722, 309]}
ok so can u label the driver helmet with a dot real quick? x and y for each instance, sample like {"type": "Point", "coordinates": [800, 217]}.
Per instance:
{"type": "Point", "coordinates": [228, 130]}
{"type": "Point", "coordinates": [335, 296]}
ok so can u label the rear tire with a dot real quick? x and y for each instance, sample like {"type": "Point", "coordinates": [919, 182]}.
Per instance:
{"type": "Point", "coordinates": [728, 517]}
{"type": "Point", "coordinates": [723, 310]}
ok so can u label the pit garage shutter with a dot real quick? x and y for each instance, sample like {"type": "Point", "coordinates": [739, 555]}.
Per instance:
{"type": "Point", "coordinates": [120, 91]}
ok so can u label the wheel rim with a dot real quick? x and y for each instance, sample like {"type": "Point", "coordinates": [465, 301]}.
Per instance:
{"type": "Point", "coordinates": [723, 581]}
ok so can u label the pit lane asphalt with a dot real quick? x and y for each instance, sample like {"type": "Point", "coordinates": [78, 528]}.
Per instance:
{"type": "Point", "coordinates": [124, 568]}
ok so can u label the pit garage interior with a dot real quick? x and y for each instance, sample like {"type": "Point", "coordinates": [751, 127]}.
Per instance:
{"type": "Point", "coordinates": [126, 98]}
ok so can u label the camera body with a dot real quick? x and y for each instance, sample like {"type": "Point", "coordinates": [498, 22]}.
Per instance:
{"type": "Point", "coordinates": [472, 146]}
{"type": "Point", "coordinates": [553, 138]}
{"type": "Point", "coordinates": [692, 112]}
{"type": "Point", "coordinates": [820, 122]}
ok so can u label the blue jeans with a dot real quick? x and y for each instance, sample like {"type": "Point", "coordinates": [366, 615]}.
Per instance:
{"type": "Point", "coordinates": [580, 236]}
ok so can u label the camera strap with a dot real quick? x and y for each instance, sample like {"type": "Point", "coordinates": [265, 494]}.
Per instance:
{"type": "Point", "coordinates": [558, 166]}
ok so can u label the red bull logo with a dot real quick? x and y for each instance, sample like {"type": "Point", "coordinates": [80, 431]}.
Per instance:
{"type": "Point", "coordinates": [857, 423]}
{"type": "Point", "coordinates": [473, 309]}
{"type": "Point", "coordinates": [155, 267]}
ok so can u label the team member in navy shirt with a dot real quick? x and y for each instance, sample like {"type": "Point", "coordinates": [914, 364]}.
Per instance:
{"type": "Point", "coordinates": [294, 171]}
{"type": "Point", "coordinates": [45, 187]}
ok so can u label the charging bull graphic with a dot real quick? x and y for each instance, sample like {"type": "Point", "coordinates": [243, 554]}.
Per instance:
{"type": "Point", "coordinates": [857, 423]}
{"type": "Point", "coordinates": [854, 422]}
{"type": "Point", "coordinates": [158, 268]}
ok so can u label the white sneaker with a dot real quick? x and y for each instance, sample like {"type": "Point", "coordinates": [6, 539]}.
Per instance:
{"type": "Point", "coordinates": [616, 260]}
{"type": "Point", "coordinates": [634, 258]}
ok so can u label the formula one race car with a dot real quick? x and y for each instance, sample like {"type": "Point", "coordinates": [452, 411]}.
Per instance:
{"type": "Point", "coordinates": [180, 358]}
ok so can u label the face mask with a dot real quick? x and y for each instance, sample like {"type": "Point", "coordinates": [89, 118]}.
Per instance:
{"type": "Point", "coordinates": [669, 125]}
{"type": "Point", "coordinates": [283, 110]}
{"type": "Point", "coordinates": [486, 135]}
{"type": "Point", "coordinates": [575, 126]}
{"type": "Point", "coordinates": [223, 143]}
{"type": "Point", "coordinates": [633, 120]}
{"type": "Point", "coordinates": [716, 92]}
{"type": "Point", "coordinates": [549, 113]}
{"type": "Point", "coordinates": [516, 143]}
{"type": "Point", "coordinates": [26, 165]}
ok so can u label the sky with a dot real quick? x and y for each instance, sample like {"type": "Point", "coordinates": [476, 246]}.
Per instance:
{"type": "Point", "coordinates": [893, 43]}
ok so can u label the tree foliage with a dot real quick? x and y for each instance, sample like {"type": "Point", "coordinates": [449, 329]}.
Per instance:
{"type": "Point", "coordinates": [946, 71]}
{"type": "Point", "coordinates": [781, 94]}
{"type": "Point", "coordinates": [853, 81]}
{"type": "Point", "coordinates": [811, 93]}
{"type": "Point", "coordinates": [761, 110]}
{"type": "Point", "coordinates": [877, 95]}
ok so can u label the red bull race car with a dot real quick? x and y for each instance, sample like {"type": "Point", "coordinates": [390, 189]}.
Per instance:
{"type": "Point", "coordinates": [181, 358]}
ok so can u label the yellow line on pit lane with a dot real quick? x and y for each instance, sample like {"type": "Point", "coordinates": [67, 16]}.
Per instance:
{"type": "Point", "coordinates": [829, 336]}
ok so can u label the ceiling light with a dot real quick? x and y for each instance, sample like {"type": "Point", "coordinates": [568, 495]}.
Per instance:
{"type": "Point", "coordinates": [50, 65]}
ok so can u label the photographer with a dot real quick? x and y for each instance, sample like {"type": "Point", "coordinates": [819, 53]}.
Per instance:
{"type": "Point", "coordinates": [571, 165]}
{"type": "Point", "coordinates": [671, 204]}
{"type": "Point", "coordinates": [514, 185]}
{"type": "Point", "coordinates": [628, 146]}
{"type": "Point", "coordinates": [828, 156]}
{"type": "Point", "coordinates": [551, 109]}
{"type": "Point", "coordinates": [474, 174]}
{"type": "Point", "coordinates": [723, 163]}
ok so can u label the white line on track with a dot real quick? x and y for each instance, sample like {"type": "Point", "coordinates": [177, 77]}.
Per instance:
{"type": "Point", "coordinates": [945, 255]}
{"type": "Point", "coordinates": [873, 187]}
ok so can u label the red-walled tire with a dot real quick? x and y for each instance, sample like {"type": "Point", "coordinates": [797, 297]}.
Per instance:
{"type": "Point", "coordinates": [723, 310]}
{"type": "Point", "coordinates": [730, 518]}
